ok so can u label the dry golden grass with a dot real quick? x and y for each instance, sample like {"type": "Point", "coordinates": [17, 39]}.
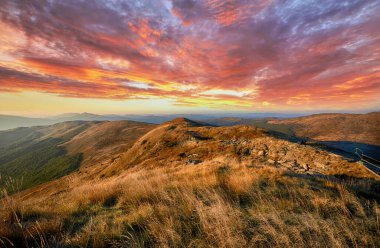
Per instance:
{"type": "Point", "coordinates": [153, 197]}
{"type": "Point", "coordinates": [209, 205]}
{"type": "Point", "coordinates": [105, 140]}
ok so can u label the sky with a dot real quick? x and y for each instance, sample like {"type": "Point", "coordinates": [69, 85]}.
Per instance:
{"type": "Point", "coordinates": [188, 56]}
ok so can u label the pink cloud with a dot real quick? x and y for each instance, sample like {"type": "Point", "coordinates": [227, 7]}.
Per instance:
{"type": "Point", "coordinates": [287, 52]}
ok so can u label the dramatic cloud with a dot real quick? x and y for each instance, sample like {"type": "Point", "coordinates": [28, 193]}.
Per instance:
{"type": "Point", "coordinates": [232, 53]}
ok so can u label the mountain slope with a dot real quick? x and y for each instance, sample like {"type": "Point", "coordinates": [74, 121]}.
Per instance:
{"type": "Point", "coordinates": [34, 156]}
{"type": "Point", "coordinates": [337, 127]}
{"type": "Point", "coordinates": [363, 128]}
{"type": "Point", "coordinates": [39, 154]}
{"type": "Point", "coordinates": [340, 133]}
{"type": "Point", "coordinates": [103, 142]}
{"type": "Point", "coordinates": [184, 183]}
{"type": "Point", "coordinates": [180, 142]}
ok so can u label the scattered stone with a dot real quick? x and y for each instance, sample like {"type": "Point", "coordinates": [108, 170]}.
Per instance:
{"type": "Point", "coordinates": [194, 161]}
{"type": "Point", "coordinates": [196, 136]}
{"type": "Point", "coordinates": [172, 128]}
{"type": "Point", "coordinates": [295, 164]}
{"type": "Point", "coordinates": [247, 152]}
{"type": "Point", "coordinates": [170, 143]}
{"type": "Point", "coordinates": [238, 152]}
{"type": "Point", "coordinates": [261, 153]}
{"type": "Point", "coordinates": [283, 151]}
{"type": "Point", "coordinates": [182, 155]}
{"type": "Point", "coordinates": [271, 161]}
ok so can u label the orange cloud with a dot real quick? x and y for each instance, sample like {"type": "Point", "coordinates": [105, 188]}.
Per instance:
{"type": "Point", "coordinates": [288, 54]}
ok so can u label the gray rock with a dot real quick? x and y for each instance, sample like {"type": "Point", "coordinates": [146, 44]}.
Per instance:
{"type": "Point", "coordinates": [193, 161]}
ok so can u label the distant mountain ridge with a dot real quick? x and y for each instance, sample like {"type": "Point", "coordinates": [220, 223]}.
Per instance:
{"type": "Point", "coordinates": [10, 121]}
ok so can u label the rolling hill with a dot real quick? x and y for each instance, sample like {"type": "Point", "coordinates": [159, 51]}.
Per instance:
{"type": "Point", "coordinates": [343, 133]}
{"type": "Point", "coordinates": [104, 141]}
{"type": "Point", "coordinates": [187, 183]}
{"type": "Point", "coordinates": [33, 155]}
{"type": "Point", "coordinates": [362, 128]}
{"type": "Point", "coordinates": [39, 154]}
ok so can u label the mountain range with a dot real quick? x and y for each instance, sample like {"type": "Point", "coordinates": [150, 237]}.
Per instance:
{"type": "Point", "coordinates": [10, 121]}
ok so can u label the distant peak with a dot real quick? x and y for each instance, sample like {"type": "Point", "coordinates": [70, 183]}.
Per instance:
{"type": "Point", "coordinates": [181, 119]}
{"type": "Point", "coordinates": [184, 121]}
{"type": "Point", "coordinates": [86, 113]}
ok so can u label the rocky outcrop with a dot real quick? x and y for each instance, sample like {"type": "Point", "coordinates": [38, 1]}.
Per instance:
{"type": "Point", "coordinates": [183, 142]}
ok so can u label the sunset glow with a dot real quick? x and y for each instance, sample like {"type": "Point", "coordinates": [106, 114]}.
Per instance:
{"type": "Point", "coordinates": [168, 56]}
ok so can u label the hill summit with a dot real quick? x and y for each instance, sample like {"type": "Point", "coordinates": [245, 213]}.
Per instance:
{"type": "Point", "coordinates": [182, 142]}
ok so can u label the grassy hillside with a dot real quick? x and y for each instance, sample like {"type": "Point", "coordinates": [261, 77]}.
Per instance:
{"type": "Point", "coordinates": [208, 205]}
{"type": "Point", "coordinates": [34, 155]}
{"type": "Point", "coordinates": [38, 163]}
{"type": "Point", "coordinates": [362, 128]}
{"type": "Point", "coordinates": [37, 155]}
{"type": "Point", "coordinates": [106, 140]}
{"type": "Point", "coordinates": [264, 123]}
{"type": "Point", "coordinates": [338, 133]}
{"type": "Point", "coordinates": [183, 184]}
